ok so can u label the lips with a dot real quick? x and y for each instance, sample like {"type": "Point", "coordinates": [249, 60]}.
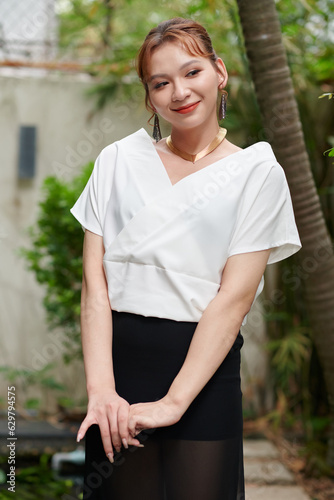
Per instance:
{"type": "Point", "coordinates": [188, 108]}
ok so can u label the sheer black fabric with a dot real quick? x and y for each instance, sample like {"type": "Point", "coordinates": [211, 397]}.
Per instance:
{"type": "Point", "coordinates": [200, 457]}
{"type": "Point", "coordinates": [165, 469]}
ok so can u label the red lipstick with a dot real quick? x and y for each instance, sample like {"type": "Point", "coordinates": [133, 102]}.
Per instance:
{"type": "Point", "coordinates": [187, 109]}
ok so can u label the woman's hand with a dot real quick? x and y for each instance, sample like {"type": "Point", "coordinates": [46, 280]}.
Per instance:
{"type": "Point", "coordinates": [161, 413]}
{"type": "Point", "coordinates": [111, 412]}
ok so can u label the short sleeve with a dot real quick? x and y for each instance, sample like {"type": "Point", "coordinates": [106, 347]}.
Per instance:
{"type": "Point", "coordinates": [266, 219]}
{"type": "Point", "coordinates": [90, 207]}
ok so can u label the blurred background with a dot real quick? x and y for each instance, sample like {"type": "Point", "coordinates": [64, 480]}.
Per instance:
{"type": "Point", "coordinates": [68, 88]}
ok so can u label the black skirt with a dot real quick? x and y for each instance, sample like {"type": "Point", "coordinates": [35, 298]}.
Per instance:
{"type": "Point", "coordinates": [198, 458]}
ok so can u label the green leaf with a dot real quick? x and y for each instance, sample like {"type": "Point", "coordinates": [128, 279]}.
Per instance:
{"type": "Point", "coordinates": [329, 152]}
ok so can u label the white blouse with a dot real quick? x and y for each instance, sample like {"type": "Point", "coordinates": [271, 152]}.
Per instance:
{"type": "Point", "coordinates": [166, 245]}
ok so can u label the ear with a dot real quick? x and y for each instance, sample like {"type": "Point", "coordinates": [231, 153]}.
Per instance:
{"type": "Point", "coordinates": [222, 73]}
{"type": "Point", "coordinates": [150, 103]}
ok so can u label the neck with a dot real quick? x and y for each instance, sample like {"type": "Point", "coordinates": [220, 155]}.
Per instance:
{"type": "Point", "coordinates": [195, 139]}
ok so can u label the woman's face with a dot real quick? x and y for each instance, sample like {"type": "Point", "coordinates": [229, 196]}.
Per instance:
{"type": "Point", "coordinates": [183, 87]}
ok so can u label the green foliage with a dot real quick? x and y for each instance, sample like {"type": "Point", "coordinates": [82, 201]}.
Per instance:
{"type": "Point", "coordinates": [329, 152]}
{"type": "Point", "coordinates": [32, 377]}
{"type": "Point", "coordinates": [28, 378]}
{"type": "Point", "coordinates": [300, 395]}
{"type": "Point", "coordinates": [316, 463]}
{"type": "Point", "coordinates": [290, 349]}
{"type": "Point", "coordinates": [56, 257]}
{"type": "Point", "coordinates": [306, 28]}
{"type": "Point", "coordinates": [107, 39]}
{"type": "Point", "coordinates": [289, 355]}
{"type": "Point", "coordinates": [107, 36]}
{"type": "Point", "coordinates": [37, 481]}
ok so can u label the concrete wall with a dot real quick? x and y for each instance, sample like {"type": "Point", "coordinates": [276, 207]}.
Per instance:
{"type": "Point", "coordinates": [69, 135]}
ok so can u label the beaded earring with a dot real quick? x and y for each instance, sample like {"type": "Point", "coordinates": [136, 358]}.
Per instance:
{"type": "Point", "coordinates": [156, 128]}
{"type": "Point", "coordinates": [222, 107]}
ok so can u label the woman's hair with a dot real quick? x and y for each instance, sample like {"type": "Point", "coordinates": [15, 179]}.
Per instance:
{"type": "Point", "coordinates": [192, 35]}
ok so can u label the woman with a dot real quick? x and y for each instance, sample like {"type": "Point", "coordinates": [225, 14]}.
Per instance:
{"type": "Point", "coordinates": [178, 235]}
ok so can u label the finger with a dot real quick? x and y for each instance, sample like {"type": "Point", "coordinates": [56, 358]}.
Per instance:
{"type": "Point", "coordinates": [106, 439]}
{"type": "Point", "coordinates": [86, 423]}
{"type": "Point", "coordinates": [139, 423]}
{"type": "Point", "coordinates": [136, 427]}
{"type": "Point", "coordinates": [132, 433]}
{"type": "Point", "coordinates": [115, 437]}
{"type": "Point", "coordinates": [123, 417]}
{"type": "Point", "coordinates": [135, 442]}
{"type": "Point", "coordinates": [132, 425]}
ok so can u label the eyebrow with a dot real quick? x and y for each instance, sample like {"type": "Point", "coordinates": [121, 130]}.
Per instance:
{"type": "Point", "coordinates": [163, 75]}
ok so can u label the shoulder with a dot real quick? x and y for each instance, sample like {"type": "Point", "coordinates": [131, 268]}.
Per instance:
{"type": "Point", "coordinates": [135, 139]}
{"type": "Point", "coordinates": [110, 153]}
{"type": "Point", "coordinates": [261, 158]}
{"type": "Point", "coordinates": [257, 155]}
{"type": "Point", "coordinates": [258, 169]}
{"type": "Point", "coordinates": [265, 171]}
{"type": "Point", "coordinates": [261, 152]}
{"type": "Point", "coordinates": [139, 136]}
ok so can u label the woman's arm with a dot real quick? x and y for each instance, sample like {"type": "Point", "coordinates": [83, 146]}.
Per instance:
{"type": "Point", "coordinates": [212, 340]}
{"type": "Point", "coordinates": [96, 319]}
{"type": "Point", "coordinates": [105, 407]}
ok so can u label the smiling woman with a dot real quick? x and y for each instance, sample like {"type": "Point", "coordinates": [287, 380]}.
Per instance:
{"type": "Point", "coordinates": [178, 235]}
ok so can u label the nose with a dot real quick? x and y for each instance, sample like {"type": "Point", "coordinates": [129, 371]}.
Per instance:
{"type": "Point", "coordinates": [180, 91]}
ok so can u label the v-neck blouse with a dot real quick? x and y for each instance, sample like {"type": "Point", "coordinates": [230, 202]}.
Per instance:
{"type": "Point", "coordinates": [166, 244]}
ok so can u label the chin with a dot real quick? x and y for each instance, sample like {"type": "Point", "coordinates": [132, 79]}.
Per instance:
{"type": "Point", "coordinates": [189, 124]}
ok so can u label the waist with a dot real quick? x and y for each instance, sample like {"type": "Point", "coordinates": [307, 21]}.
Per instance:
{"type": "Point", "coordinates": [139, 331]}
{"type": "Point", "coordinates": [153, 291]}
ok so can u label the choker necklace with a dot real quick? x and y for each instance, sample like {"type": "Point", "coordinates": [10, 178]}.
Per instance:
{"type": "Point", "coordinates": [208, 149]}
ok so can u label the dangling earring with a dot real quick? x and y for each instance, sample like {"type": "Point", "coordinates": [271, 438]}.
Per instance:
{"type": "Point", "coordinates": [222, 107]}
{"type": "Point", "coordinates": [156, 128]}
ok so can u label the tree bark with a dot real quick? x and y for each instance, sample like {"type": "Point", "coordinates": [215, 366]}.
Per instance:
{"type": "Point", "coordinates": [280, 115]}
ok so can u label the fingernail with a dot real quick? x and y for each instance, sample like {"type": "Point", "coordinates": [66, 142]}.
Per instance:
{"type": "Point", "coordinates": [118, 449]}
{"type": "Point", "coordinates": [139, 445]}
{"type": "Point", "coordinates": [79, 438]}
{"type": "Point", "coordinates": [110, 457]}
{"type": "Point", "coordinates": [125, 443]}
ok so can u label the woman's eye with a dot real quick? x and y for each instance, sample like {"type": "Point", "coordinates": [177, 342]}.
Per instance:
{"type": "Point", "coordinates": [159, 85]}
{"type": "Point", "coordinates": [193, 72]}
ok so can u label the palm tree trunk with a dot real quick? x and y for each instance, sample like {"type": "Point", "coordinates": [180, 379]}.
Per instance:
{"type": "Point", "coordinates": [275, 94]}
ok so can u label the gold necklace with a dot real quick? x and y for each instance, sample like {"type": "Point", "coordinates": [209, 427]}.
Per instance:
{"type": "Point", "coordinates": [208, 149]}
